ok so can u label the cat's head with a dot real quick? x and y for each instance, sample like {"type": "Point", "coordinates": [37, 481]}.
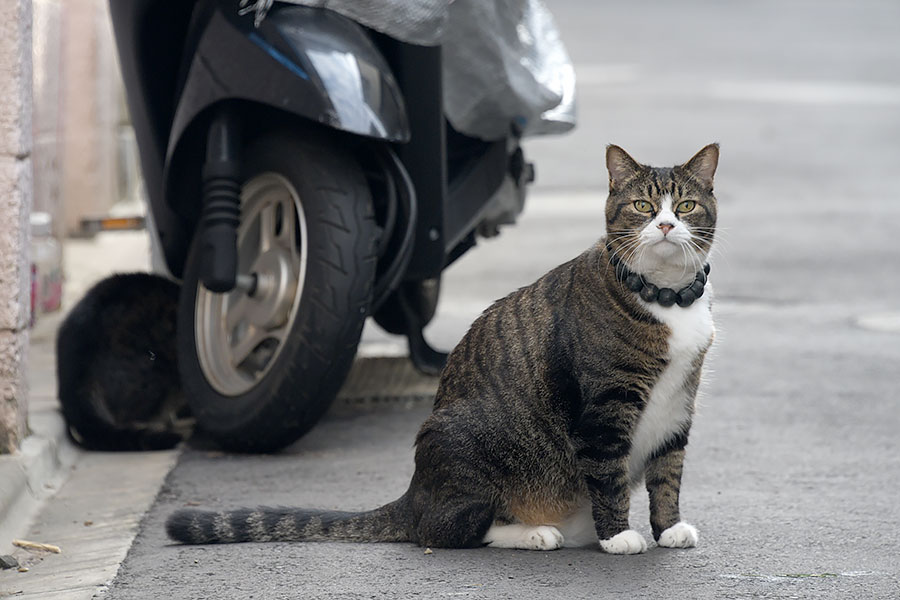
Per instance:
{"type": "Point", "coordinates": [661, 221]}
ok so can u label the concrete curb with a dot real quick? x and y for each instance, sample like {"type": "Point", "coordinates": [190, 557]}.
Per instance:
{"type": "Point", "coordinates": [34, 473]}
{"type": "Point", "coordinates": [45, 458]}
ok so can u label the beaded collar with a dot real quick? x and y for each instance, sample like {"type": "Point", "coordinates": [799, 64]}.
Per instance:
{"type": "Point", "coordinates": [650, 293]}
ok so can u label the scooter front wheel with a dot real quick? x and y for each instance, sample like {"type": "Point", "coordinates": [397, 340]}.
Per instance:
{"type": "Point", "coordinates": [262, 363]}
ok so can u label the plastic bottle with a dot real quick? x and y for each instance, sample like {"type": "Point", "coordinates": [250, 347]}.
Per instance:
{"type": "Point", "coordinates": [46, 260]}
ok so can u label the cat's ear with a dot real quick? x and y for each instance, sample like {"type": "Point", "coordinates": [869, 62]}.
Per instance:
{"type": "Point", "coordinates": [620, 165]}
{"type": "Point", "coordinates": [703, 165]}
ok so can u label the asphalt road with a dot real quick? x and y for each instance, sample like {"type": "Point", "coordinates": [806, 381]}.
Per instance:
{"type": "Point", "coordinates": [793, 465]}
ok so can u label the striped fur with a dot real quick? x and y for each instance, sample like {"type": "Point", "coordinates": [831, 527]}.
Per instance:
{"type": "Point", "coordinates": [266, 524]}
{"type": "Point", "coordinates": [544, 400]}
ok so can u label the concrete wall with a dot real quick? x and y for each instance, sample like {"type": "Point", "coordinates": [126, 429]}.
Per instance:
{"type": "Point", "coordinates": [15, 206]}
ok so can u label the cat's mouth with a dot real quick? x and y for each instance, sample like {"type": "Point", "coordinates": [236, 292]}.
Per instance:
{"type": "Point", "coordinates": [665, 248]}
{"type": "Point", "coordinates": [666, 243]}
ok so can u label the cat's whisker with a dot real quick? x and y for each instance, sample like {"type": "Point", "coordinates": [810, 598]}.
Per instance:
{"type": "Point", "coordinates": [713, 241]}
{"type": "Point", "coordinates": [630, 244]}
{"type": "Point", "coordinates": [632, 251]}
{"type": "Point", "coordinates": [692, 259]}
{"type": "Point", "coordinates": [630, 240]}
{"type": "Point", "coordinates": [625, 252]}
{"type": "Point", "coordinates": [718, 252]}
{"type": "Point", "coordinates": [640, 251]}
{"type": "Point", "coordinates": [700, 260]}
{"type": "Point", "coordinates": [622, 251]}
{"type": "Point", "coordinates": [696, 258]}
{"type": "Point", "coordinates": [684, 263]}
{"type": "Point", "coordinates": [696, 248]}
{"type": "Point", "coordinates": [715, 248]}
{"type": "Point", "coordinates": [711, 233]}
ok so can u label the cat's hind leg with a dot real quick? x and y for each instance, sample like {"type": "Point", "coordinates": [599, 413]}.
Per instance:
{"type": "Point", "coordinates": [524, 537]}
{"type": "Point", "coordinates": [459, 522]}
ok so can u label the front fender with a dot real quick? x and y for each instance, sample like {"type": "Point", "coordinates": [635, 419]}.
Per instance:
{"type": "Point", "coordinates": [307, 61]}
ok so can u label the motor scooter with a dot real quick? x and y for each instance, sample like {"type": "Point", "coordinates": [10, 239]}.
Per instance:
{"type": "Point", "coordinates": [301, 176]}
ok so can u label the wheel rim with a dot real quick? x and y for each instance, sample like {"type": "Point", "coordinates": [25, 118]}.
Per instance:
{"type": "Point", "coordinates": [240, 334]}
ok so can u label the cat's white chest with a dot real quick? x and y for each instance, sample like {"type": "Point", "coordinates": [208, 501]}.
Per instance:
{"type": "Point", "coordinates": [670, 404]}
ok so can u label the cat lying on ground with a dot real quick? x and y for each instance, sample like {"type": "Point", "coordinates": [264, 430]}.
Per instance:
{"type": "Point", "coordinates": [118, 377]}
{"type": "Point", "coordinates": [559, 400]}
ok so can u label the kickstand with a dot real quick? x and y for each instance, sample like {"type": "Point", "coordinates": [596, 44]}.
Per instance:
{"type": "Point", "coordinates": [425, 358]}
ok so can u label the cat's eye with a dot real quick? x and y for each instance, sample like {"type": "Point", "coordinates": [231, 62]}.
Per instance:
{"type": "Point", "coordinates": [643, 206]}
{"type": "Point", "coordinates": [686, 206]}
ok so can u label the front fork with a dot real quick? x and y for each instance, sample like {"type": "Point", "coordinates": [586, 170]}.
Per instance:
{"type": "Point", "coordinates": [221, 213]}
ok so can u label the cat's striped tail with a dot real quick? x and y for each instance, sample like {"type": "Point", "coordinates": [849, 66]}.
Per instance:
{"type": "Point", "coordinates": [263, 524]}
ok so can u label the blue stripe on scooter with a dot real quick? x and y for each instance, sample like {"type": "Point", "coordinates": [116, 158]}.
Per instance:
{"type": "Point", "coordinates": [277, 55]}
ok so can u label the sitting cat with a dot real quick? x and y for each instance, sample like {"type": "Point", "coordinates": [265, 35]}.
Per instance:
{"type": "Point", "coordinates": [559, 400]}
{"type": "Point", "coordinates": [118, 377]}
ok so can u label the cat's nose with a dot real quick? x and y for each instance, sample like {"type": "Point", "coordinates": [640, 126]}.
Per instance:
{"type": "Point", "coordinates": [666, 227]}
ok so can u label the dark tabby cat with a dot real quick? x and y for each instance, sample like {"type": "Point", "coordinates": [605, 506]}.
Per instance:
{"type": "Point", "coordinates": [560, 399]}
{"type": "Point", "coordinates": [115, 360]}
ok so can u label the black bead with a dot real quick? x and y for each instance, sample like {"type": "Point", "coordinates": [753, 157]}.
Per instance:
{"type": "Point", "coordinates": [701, 277]}
{"type": "Point", "coordinates": [634, 282]}
{"type": "Point", "coordinates": [706, 268]}
{"type": "Point", "coordinates": [667, 297]}
{"type": "Point", "coordinates": [697, 288]}
{"type": "Point", "coordinates": [649, 293]}
{"type": "Point", "coordinates": [686, 297]}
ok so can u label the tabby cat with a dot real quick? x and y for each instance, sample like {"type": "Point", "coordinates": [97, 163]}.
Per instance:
{"type": "Point", "coordinates": [115, 359]}
{"type": "Point", "coordinates": [559, 400]}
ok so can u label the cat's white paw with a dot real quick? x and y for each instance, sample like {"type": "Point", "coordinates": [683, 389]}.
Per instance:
{"type": "Point", "coordinates": [524, 537]}
{"type": "Point", "coordinates": [679, 535]}
{"type": "Point", "coordinates": [626, 542]}
{"type": "Point", "coordinates": [544, 537]}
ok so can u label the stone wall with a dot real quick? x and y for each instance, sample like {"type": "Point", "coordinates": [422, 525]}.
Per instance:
{"type": "Point", "coordinates": [15, 206]}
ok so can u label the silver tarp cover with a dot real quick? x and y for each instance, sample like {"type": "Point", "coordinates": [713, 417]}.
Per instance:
{"type": "Point", "coordinates": [504, 62]}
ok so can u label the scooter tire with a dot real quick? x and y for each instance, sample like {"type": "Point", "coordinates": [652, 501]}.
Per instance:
{"type": "Point", "coordinates": [317, 345]}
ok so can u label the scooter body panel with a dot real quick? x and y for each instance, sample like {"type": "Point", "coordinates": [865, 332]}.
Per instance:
{"type": "Point", "coordinates": [308, 62]}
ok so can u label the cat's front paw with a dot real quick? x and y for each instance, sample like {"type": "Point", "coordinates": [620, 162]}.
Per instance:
{"type": "Point", "coordinates": [626, 542]}
{"type": "Point", "coordinates": [679, 535]}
